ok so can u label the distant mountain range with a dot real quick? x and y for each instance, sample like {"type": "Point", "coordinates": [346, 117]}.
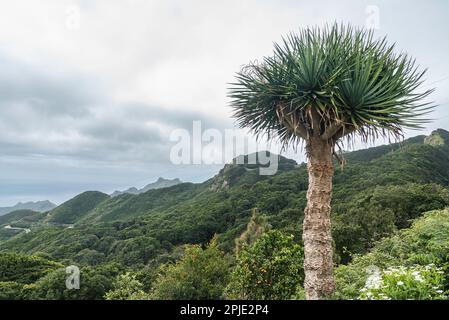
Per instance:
{"type": "Point", "coordinates": [160, 183]}
{"type": "Point", "coordinates": [39, 206]}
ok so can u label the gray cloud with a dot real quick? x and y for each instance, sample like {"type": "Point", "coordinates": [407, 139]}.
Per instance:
{"type": "Point", "coordinates": [42, 90]}
{"type": "Point", "coordinates": [72, 116]}
{"type": "Point", "coordinates": [92, 108]}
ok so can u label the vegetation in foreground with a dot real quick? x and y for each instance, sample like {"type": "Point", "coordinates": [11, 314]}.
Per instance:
{"type": "Point", "coordinates": [411, 264]}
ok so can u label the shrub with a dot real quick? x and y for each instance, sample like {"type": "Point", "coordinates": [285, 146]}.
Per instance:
{"type": "Point", "coordinates": [127, 287]}
{"type": "Point", "coordinates": [200, 274]}
{"type": "Point", "coordinates": [271, 268]}
{"type": "Point", "coordinates": [10, 290]}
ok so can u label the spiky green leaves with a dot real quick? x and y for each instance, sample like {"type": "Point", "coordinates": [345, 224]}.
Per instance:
{"type": "Point", "coordinates": [333, 82]}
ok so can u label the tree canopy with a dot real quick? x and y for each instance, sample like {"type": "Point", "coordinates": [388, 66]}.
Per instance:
{"type": "Point", "coordinates": [335, 81]}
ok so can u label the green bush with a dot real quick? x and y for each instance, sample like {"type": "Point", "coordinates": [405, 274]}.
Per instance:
{"type": "Point", "coordinates": [271, 268]}
{"type": "Point", "coordinates": [127, 287]}
{"type": "Point", "coordinates": [200, 274]}
{"type": "Point", "coordinates": [10, 290]}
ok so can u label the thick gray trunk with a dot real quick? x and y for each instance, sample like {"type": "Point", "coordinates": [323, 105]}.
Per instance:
{"type": "Point", "coordinates": [317, 238]}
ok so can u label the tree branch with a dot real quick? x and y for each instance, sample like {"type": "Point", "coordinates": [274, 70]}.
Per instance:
{"type": "Point", "coordinates": [343, 131]}
{"type": "Point", "coordinates": [331, 131]}
{"type": "Point", "coordinates": [292, 123]}
{"type": "Point", "coordinates": [298, 128]}
{"type": "Point", "coordinates": [315, 120]}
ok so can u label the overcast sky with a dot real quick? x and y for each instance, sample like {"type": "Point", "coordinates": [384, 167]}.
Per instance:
{"type": "Point", "coordinates": [91, 90]}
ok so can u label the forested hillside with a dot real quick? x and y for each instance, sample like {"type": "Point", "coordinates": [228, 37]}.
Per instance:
{"type": "Point", "coordinates": [147, 239]}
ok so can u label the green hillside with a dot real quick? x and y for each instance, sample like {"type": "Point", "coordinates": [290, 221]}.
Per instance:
{"type": "Point", "coordinates": [19, 219]}
{"type": "Point", "coordinates": [128, 206]}
{"type": "Point", "coordinates": [379, 191]}
{"type": "Point", "coordinates": [420, 252]}
{"type": "Point", "coordinates": [17, 216]}
{"type": "Point", "coordinates": [73, 210]}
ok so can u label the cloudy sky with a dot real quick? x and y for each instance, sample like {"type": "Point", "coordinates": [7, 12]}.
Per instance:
{"type": "Point", "coordinates": [90, 91]}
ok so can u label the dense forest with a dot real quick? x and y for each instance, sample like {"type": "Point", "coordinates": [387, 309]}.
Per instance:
{"type": "Point", "coordinates": [238, 234]}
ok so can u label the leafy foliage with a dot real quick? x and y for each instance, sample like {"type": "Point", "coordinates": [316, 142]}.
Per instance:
{"type": "Point", "coordinates": [257, 225]}
{"type": "Point", "coordinates": [127, 287]}
{"type": "Point", "coordinates": [380, 211]}
{"type": "Point", "coordinates": [335, 81]}
{"type": "Point", "coordinates": [200, 274]}
{"type": "Point", "coordinates": [426, 242]}
{"type": "Point", "coordinates": [24, 269]}
{"type": "Point", "coordinates": [270, 269]}
{"type": "Point", "coordinates": [94, 283]}
{"type": "Point", "coordinates": [10, 290]}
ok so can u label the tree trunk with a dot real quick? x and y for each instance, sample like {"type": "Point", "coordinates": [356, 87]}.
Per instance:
{"type": "Point", "coordinates": [317, 238]}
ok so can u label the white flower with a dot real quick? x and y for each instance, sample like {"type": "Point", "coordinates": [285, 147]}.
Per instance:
{"type": "Point", "coordinates": [400, 283]}
{"type": "Point", "coordinates": [439, 291]}
{"type": "Point", "coordinates": [418, 278]}
{"type": "Point", "coordinates": [374, 281]}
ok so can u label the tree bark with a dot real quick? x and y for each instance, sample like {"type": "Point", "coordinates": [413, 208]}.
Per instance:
{"type": "Point", "coordinates": [317, 238]}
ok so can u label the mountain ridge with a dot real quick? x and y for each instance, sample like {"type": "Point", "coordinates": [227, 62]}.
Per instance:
{"type": "Point", "coordinates": [39, 206]}
{"type": "Point", "coordinates": [158, 184]}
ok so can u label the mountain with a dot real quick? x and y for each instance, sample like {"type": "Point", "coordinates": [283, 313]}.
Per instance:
{"type": "Point", "coordinates": [160, 183]}
{"type": "Point", "coordinates": [72, 210]}
{"type": "Point", "coordinates": [438, 137]}
{"type": "Point", "coordinates": [129, 206]}
{"type": "Point", "coordinates": [242, 170]}
{"type": "Point", "coordinates": [379, 191]}
{"type": "Point", "coordinates": [39, 206]}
